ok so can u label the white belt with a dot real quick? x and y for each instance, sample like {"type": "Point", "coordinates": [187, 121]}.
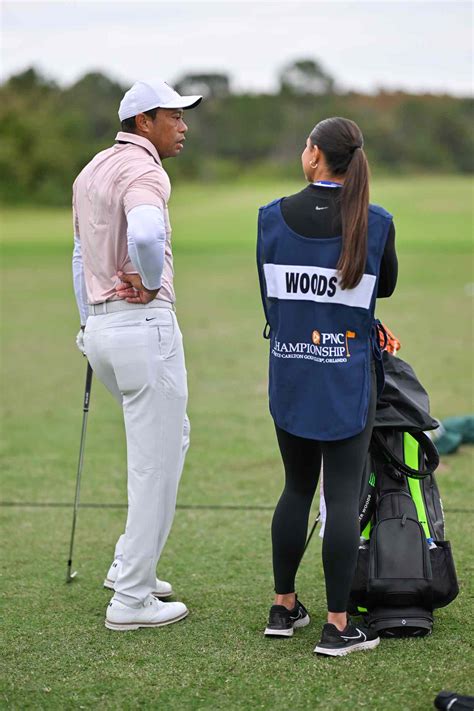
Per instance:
{"type": "Point", "coordinates": [110, 307]}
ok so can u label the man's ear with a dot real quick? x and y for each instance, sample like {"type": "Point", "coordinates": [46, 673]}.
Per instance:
{"type": "Point", "coordinates": [141, 122]}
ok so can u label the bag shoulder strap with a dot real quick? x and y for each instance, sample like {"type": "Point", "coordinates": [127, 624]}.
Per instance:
{"type": "Point", "coordinates": [430, 456]}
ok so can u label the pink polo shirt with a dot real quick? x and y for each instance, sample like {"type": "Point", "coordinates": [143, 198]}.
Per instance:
{"type": "Point", "coordinates": [116, 180]}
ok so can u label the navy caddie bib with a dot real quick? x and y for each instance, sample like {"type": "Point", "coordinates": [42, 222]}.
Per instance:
{"type": "Point", "coordinates": [321, 336]}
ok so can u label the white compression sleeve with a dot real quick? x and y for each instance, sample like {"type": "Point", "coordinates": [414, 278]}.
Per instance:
{"type": "Point", "coordinates": [146, 239]}
{"type": "Point", "coordinates": [79, 282]}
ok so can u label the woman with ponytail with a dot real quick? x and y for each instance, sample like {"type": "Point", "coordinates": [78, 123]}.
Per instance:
{"type": "Point", "coordinates": [324, 255]}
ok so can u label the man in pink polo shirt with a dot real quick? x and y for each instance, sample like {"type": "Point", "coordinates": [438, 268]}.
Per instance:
{"type": "Point", "coordinates": [123, 281]}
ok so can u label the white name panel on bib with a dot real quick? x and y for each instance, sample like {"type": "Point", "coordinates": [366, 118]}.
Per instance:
{"type": "Point", "coordinates": [287, 281]}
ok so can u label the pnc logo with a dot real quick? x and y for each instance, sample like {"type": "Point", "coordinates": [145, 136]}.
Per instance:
{"type": "Point", "coordinates": [333, 339]}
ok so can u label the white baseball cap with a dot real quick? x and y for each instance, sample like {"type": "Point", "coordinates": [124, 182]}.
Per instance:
{"type": "Point", "coordinates": [156, 94]}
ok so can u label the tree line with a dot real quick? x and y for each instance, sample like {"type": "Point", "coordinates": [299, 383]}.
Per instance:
{"type": "Point", "coordinates": [48, 133]}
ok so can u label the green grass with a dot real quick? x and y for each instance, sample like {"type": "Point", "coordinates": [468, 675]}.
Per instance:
{"type": "Point", "coordinates": [56, 652]}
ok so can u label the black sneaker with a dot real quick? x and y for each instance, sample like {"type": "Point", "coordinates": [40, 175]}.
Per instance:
{"type": "Point", "coordinates": [282, 622]}
{"type": "Point", "coordinates": [352, 639]}
{"type": "Point", "coordinates": [456, 702]}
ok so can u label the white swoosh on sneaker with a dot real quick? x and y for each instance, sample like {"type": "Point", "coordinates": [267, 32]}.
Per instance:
{"type": "Point", "coordinates": [361, 636]}
{"type": "Point", "coordinates": [321, 208]}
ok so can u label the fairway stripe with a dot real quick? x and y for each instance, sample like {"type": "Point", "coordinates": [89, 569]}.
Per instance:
{"type": "Point", "coordinates": [203, 507]}
{"type": "Point", "coordinates": [60, 504]}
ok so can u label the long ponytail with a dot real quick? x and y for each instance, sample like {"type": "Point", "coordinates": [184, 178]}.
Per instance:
{"type": "Point", "coordinates": [341, 142]}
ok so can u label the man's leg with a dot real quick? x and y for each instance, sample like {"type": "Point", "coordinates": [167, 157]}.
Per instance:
{"type": "Point", "coordinates": [142, 364]}
{"type": "Point", "coordinates": [184, 448]}
{"type": "Point", "coordinates": [154, 405]}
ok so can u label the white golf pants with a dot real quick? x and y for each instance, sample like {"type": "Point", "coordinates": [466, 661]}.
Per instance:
{"type": "Point", "coordinates": [138, 355]}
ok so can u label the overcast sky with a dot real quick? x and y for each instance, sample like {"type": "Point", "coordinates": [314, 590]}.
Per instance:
{"type": "Point", "coordinates": [419, 45]}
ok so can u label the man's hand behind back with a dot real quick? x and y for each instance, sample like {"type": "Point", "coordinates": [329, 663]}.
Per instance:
{"type": "Point", "coordinates": [132, 290]}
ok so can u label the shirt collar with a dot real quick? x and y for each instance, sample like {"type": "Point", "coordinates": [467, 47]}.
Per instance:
{"type": "Point", "coordinates": [139, 141]}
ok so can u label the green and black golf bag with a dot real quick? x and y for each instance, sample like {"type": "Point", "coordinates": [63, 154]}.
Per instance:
{"type": "Point", "coordinates": [405, 568]}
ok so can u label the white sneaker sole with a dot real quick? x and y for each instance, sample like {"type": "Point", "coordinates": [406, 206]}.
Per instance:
{"type": "Point", "coordinates": [270, 632]}
{"type": "Point", "coordinates": [109, 584]}
{"type": "Point", "coordinates": [129, 626]}
{"type": "Point", "coordinates": [362, 647]}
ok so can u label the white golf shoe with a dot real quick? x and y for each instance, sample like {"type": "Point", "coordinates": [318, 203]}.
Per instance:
{"type": "Point", "coordinates": [162, 588]}
{"type": "Point", "coordinates": [153, 613]}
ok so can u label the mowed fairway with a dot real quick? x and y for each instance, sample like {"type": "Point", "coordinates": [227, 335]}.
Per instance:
{"type": "Point", "coordinates": [56, 651]}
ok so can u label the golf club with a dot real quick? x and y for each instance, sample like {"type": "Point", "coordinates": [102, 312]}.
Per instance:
{"type": "Point", "coordinates": [87, 393]}
{"type": "Point", "coordinates": [311, 532]}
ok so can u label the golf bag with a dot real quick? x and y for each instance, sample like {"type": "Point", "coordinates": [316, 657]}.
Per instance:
{"type": "Point", "coordinates": [405, 568]}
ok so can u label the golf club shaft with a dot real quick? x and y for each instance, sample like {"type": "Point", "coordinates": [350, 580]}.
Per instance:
{"type": "Point", "coordinates": [87, 394]}
{"type": "Point", "coordinates": [311, 533]}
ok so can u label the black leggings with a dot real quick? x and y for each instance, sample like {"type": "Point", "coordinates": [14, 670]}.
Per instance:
{"type": "Point", "coordinates": [343, 464]}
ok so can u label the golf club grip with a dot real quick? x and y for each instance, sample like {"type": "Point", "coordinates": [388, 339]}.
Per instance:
{"type": "Point", "coordinates": [87, 392]}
